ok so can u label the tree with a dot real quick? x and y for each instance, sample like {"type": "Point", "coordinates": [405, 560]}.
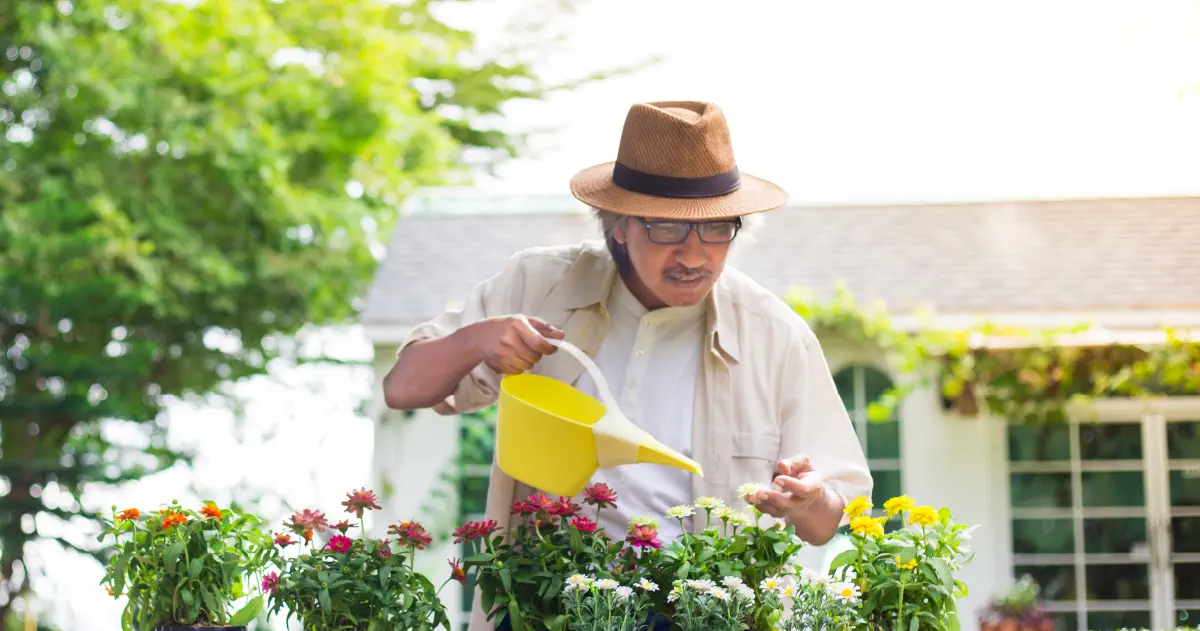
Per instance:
{"type": "Point", "coordinates": [181, 183]}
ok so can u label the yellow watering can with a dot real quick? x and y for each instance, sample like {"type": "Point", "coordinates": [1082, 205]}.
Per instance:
{"type": "Point", "coordinates": [553, 437]}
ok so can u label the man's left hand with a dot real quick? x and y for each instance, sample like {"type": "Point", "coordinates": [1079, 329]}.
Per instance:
{"type": "Point", "coordinates": [797, 488]}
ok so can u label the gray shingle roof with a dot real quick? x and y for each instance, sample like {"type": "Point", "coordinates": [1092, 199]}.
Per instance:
{"type": "Point", "coordinates": [968, 257]}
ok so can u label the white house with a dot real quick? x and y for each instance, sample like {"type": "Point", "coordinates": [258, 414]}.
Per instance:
{"type": "Point", "coordinates": [1106, 516]}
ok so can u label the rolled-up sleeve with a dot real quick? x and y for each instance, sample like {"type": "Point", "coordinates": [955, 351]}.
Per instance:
{"type": "Point", "coordinates": [498, 295]}
{"type": "Point", "coordinates": [815, 423]}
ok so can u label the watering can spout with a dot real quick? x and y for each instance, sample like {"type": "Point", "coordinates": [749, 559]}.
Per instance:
{"type": "Point", "coordinates": [660, 454]}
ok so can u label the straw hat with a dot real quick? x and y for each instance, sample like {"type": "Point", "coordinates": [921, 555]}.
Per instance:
{"type": "Point", "coordinates": [675, 161]}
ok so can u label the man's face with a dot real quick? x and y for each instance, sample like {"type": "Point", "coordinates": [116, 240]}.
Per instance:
{"type": "Point", "coordinates": [675, 273]}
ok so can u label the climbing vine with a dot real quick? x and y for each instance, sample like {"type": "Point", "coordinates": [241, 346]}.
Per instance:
{"type": "Point", "coordinates": [1031, 379]}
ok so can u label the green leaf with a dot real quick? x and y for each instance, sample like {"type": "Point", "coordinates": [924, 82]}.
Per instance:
{"type": "Point", "coordinates": [323, 598]}
{"type": "Point", "coordinates": [514, 616]}
{"type": "Point", "coordinates": [385, 573]}
{"type": "Point", "coordinates": [195, 566]}
{"type": "Point", "coordinates": [781, 547]}
{"type": "Point", "coordinates": [506, 579]}
{"type": "Point", "coordinates": [247, 613]}
{"type": "Point", "coordinates": [845, 557]}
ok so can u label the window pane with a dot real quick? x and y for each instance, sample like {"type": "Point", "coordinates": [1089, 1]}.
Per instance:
{"type": "Point", "coordinates": [1042, 443]}
{"type": "Point", "coordinates": [474, 495]}
{"type": "Point", "coordinates": [1043, 536]}
{"type": "Point", "coordinates": [887, 486]}
{"type": "Point", "coordinates": [1185, 488]}
{"type": "Point", "coordinates": [1065, 621]}
{"type": "Point", "coordinates": [1118, 619]}
{"type": "Point", "coordinates": [875, 383]}
{"type": "Point", "coordinates": [1117, 582]}
{"type": "Point", "coordinates": [1113, 535]}
{"type": "Point", "coordinates": [883, 440]}
{"type": "Point", "coordinates": [1113, 488]}
{"type": "Point", "coordinates": [1183, 440]}
{"type": "Point", "coordinates": [1110, 441]}
{"type": "Point", "coordinates": [1057, 581]}
{"type": "Point", "coordinates": [1034, 490]}
{"type": "Point", "coordinates": [1185, 534]}
{"type": "Point", "coordinates": [1187, 581]}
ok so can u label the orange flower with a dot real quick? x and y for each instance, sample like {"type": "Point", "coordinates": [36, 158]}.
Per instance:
{"type": "Point", "coordinates": [174, 519]}
{"type": "Point", "coordinates": [456, 572]}
{"type": "Point", "coordinates": [129, 513]}
{"type": "Point", "coordinates": [111, 592]}
{"type": "Point", "coordinates": [211, 510]}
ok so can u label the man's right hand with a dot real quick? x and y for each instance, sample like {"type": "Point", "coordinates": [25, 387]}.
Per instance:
{"type": "Point", "coordinates": [512, 344]}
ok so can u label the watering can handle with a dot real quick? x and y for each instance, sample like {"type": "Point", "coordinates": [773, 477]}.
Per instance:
{"type": "Point", "coordinates": [598, 377]}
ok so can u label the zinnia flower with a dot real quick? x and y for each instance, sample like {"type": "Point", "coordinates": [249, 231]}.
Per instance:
{"type": "Point", "coordinates": [411, 534]}
{"type": "Point", "coordinates": [898, 504]}
{"type": "Point", "coordinates": [565, 508]}
{"type": "Point", "coordinates": [750, 488]}
{"type": "Point", "coordinates": [857, 506]}
{"type": "Point", "coordinates": [583, 524]}
{"type": "Point", "coordinates": [600, 494]}
{"type": "Point", "coordinates": [342, 526]}
{"type": "Point", "coordinates": [644, 537]}
{"type": "Point", "coordinates": [606, 583]}
{"type": "Point", "coordinates": [644, 521]}
{"type": "Point", "coordinates": [129, 513]}
{"type": "Point", "coordinates": [541, 502]}
{"type": "Point", "coordinates": [709, 503]}
{"type": "Point", "coordinates": [270, 582]}
{"type": "Point", "coordinates": [457, 572]}
{"type": "Point", "coordinates": [384, 549]}
{"type": "Point", "coordinates": [339, 543]}
{"type": "Point", "coordinates": [579, 582]}
{"type": "Point", "coordinates": [865, 526]}
{"type": "Point", "coordinates": [306, 522]}
{"type": "Point", "coordinates": [359, 501]}
{"type": "Point", "coordinates": [283, 540]}
{"type": "Point", "coordinates": [210, 510]}
{"type": "Point", "coordinates": [173, 519]}
{"type": "Point", "coordinates": [923, 516]}
{"type": "Point", "coordinates": [680, 512]}
{"type": "Point", "coordinates": [474, 530]}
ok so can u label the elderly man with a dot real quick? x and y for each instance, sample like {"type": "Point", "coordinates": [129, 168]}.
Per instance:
{"type": "Point", "coordinates": [699, 355]}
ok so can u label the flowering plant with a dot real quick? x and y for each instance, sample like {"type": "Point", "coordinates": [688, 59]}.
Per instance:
{"type": "Point", "coordinates": [354, 583]}
{"type": "Point", "coordinates": [1019, 604]}
{"type": "Point", "coordinates": [812, 601]}
{"type": "Point", "coordinates": [523, 577]}
{"type": "Point", "coordinates": [731, 544]}
{"type": "Point", "coordinates": [907, 575]}
{"type": "Point", "coordinates": [606, 604]}
{"type": "Point", "coordinates": [701, 604]}
{"type": "Point", "coordinates": [180, 567]}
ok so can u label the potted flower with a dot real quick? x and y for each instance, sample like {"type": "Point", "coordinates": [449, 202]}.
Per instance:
{"type": "Point", "coordinates": [808, 600]}
{"type": "Point", "coordinates": [906, 576]}
{"type": "Point", "coordinates": [555, 559]}
{"type": "Point", "coordinates": [353, 583]}
{"type": "Point", "coordinates": [180, 568]}
{"type": "Point", "coordinates": [733, 545]}
{"type": "Point", "coordinates": [1017, 609]}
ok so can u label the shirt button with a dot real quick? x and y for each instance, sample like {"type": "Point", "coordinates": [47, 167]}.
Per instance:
{"type": "Point", "coordinates": [640, 353]}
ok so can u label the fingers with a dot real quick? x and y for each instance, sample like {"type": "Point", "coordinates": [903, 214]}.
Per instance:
{"type": "Point", "coordinates": [546, 330]}
{"type": "Point", "coordinates": [794, 467]}
{"type": "Point", "coordinates": [772, 502]}
{"type": "Point", "coordinates": [802, 487]}
{"type": "Point", "coordinates": [533, 338]}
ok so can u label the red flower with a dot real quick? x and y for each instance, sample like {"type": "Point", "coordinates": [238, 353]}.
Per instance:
{"type": "Point", "coordinates": [339, 543]}
{"type": "Point", "coordinates": [283, 540]}
{"type": "Point", "coordinates": [542, 502]}
{"type": "Point", "coordinates": [129, 513]}
{"type": "Point", "coordinates": [385, 550]}
{"type": "Point", "coordinates": [173, 519]}
{"type": "Point", "coordinates": [600, 494]}
{"type": "Point", "coordinates": [410, 533]}
{"type": "Point", "coordinates": [359, 501]}
{"type": "Point", "coordinates": [565, 507]}
{"type": "Point", "coordinates": [521, 507]}
{"type": "Point", "coordinates": [456, 572]}
{"type": "Point", "coordinates": [583, 524]}
{"type": "Point", "coordinates": [644, 537]}
{"type": "Point", "coordinates": [474, 530]}
{"type": "Point", "coordinates": [342, 526]}
{"type": "Point", "coordinates": [270, 582]}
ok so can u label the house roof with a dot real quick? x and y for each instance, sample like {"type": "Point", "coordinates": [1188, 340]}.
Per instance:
{"type": "Point", "coordinates": [1036, 256]}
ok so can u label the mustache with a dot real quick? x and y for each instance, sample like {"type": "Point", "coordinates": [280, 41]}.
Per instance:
{"type": "Point", "coordinates": [687, 271]}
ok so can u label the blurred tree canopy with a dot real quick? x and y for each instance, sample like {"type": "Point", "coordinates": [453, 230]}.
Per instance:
{"type": "Point", "coordinates": [183, 182]}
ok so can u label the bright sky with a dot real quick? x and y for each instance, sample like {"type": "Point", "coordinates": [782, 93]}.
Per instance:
{"type": "Point", "coordinates": [848, 101]}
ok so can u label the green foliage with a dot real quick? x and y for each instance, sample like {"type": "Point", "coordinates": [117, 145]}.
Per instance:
{"type": "Point", "coordinates": [1029, 377]}
{"type": "Point", "coordinates": [906, 576]}
{"type": "Point", "coordinates": [179, 567]}
{"type": "Point", "coordinates": [183, 187]}
{"type": "Point", "coordinates": [606, 604]}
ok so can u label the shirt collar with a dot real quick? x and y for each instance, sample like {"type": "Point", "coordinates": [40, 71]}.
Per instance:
{"type": "Point", "coordinates": [590, 279]}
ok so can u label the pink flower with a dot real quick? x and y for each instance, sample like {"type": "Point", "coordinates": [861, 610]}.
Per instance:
{"type": "Point", "coordinates": [564, 507]}
{"type": "Point", "coordinates": [359, 501]}
{"type": "Point", "coordinates": [342, 526]}
{"type": "Point", "coordinates": [456, 571]}
{"type": "Point", "coordinates": [339, 543]}
{"type": "Point", "coordinates": [583, 524]}
{"type": "Point", "coordinates": [410, 533]}
{"type": "Point", "coordinates": [600, 494]}
{"type": "Point", "coordinates": [270, 582]}
{"type": "Point", "coordinates": [306, 522]}
{"type": "Point", "coordinates": [542, 502]}
{"type": "Point", "coordinates": [644, 537]}
{"type": "Point", "coordinates": [474, 530]}
{"type": "Point", "coordinates": [283, 540]}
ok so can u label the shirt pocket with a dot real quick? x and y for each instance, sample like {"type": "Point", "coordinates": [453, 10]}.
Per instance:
{"type": "Point", "coordinates": [752, 457]}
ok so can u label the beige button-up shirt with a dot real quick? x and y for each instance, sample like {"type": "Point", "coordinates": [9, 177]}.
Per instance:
{"type": "Point", "coordinates": [765, 391]}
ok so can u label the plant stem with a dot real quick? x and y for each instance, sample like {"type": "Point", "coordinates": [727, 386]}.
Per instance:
{"type": "Point", "coordinates": [900, 607]}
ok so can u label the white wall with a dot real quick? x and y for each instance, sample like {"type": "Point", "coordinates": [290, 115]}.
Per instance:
{"type": "Point", "coordinates": [410, 451]}
{"type": "Point", "coordinates": [953, 462]}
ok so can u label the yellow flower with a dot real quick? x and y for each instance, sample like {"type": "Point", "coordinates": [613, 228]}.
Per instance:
{"type": "Point", "coordinates": [865, 526]}
{"type": "Point", "coordinates": [898, 505]}
{"type": "Point", "coordinates": [905, 566]}
{"type": "Point", "coordinates": [922, 516]}
{"type": "Point", "coordinates": [857, 506]}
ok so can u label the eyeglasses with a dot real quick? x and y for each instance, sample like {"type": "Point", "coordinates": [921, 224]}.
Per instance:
{"type": "Point", "coordinates": [676, 232]}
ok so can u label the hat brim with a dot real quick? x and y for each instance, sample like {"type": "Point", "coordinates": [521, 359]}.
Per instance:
{"type": "Point", "coordinates": [594, 186]}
